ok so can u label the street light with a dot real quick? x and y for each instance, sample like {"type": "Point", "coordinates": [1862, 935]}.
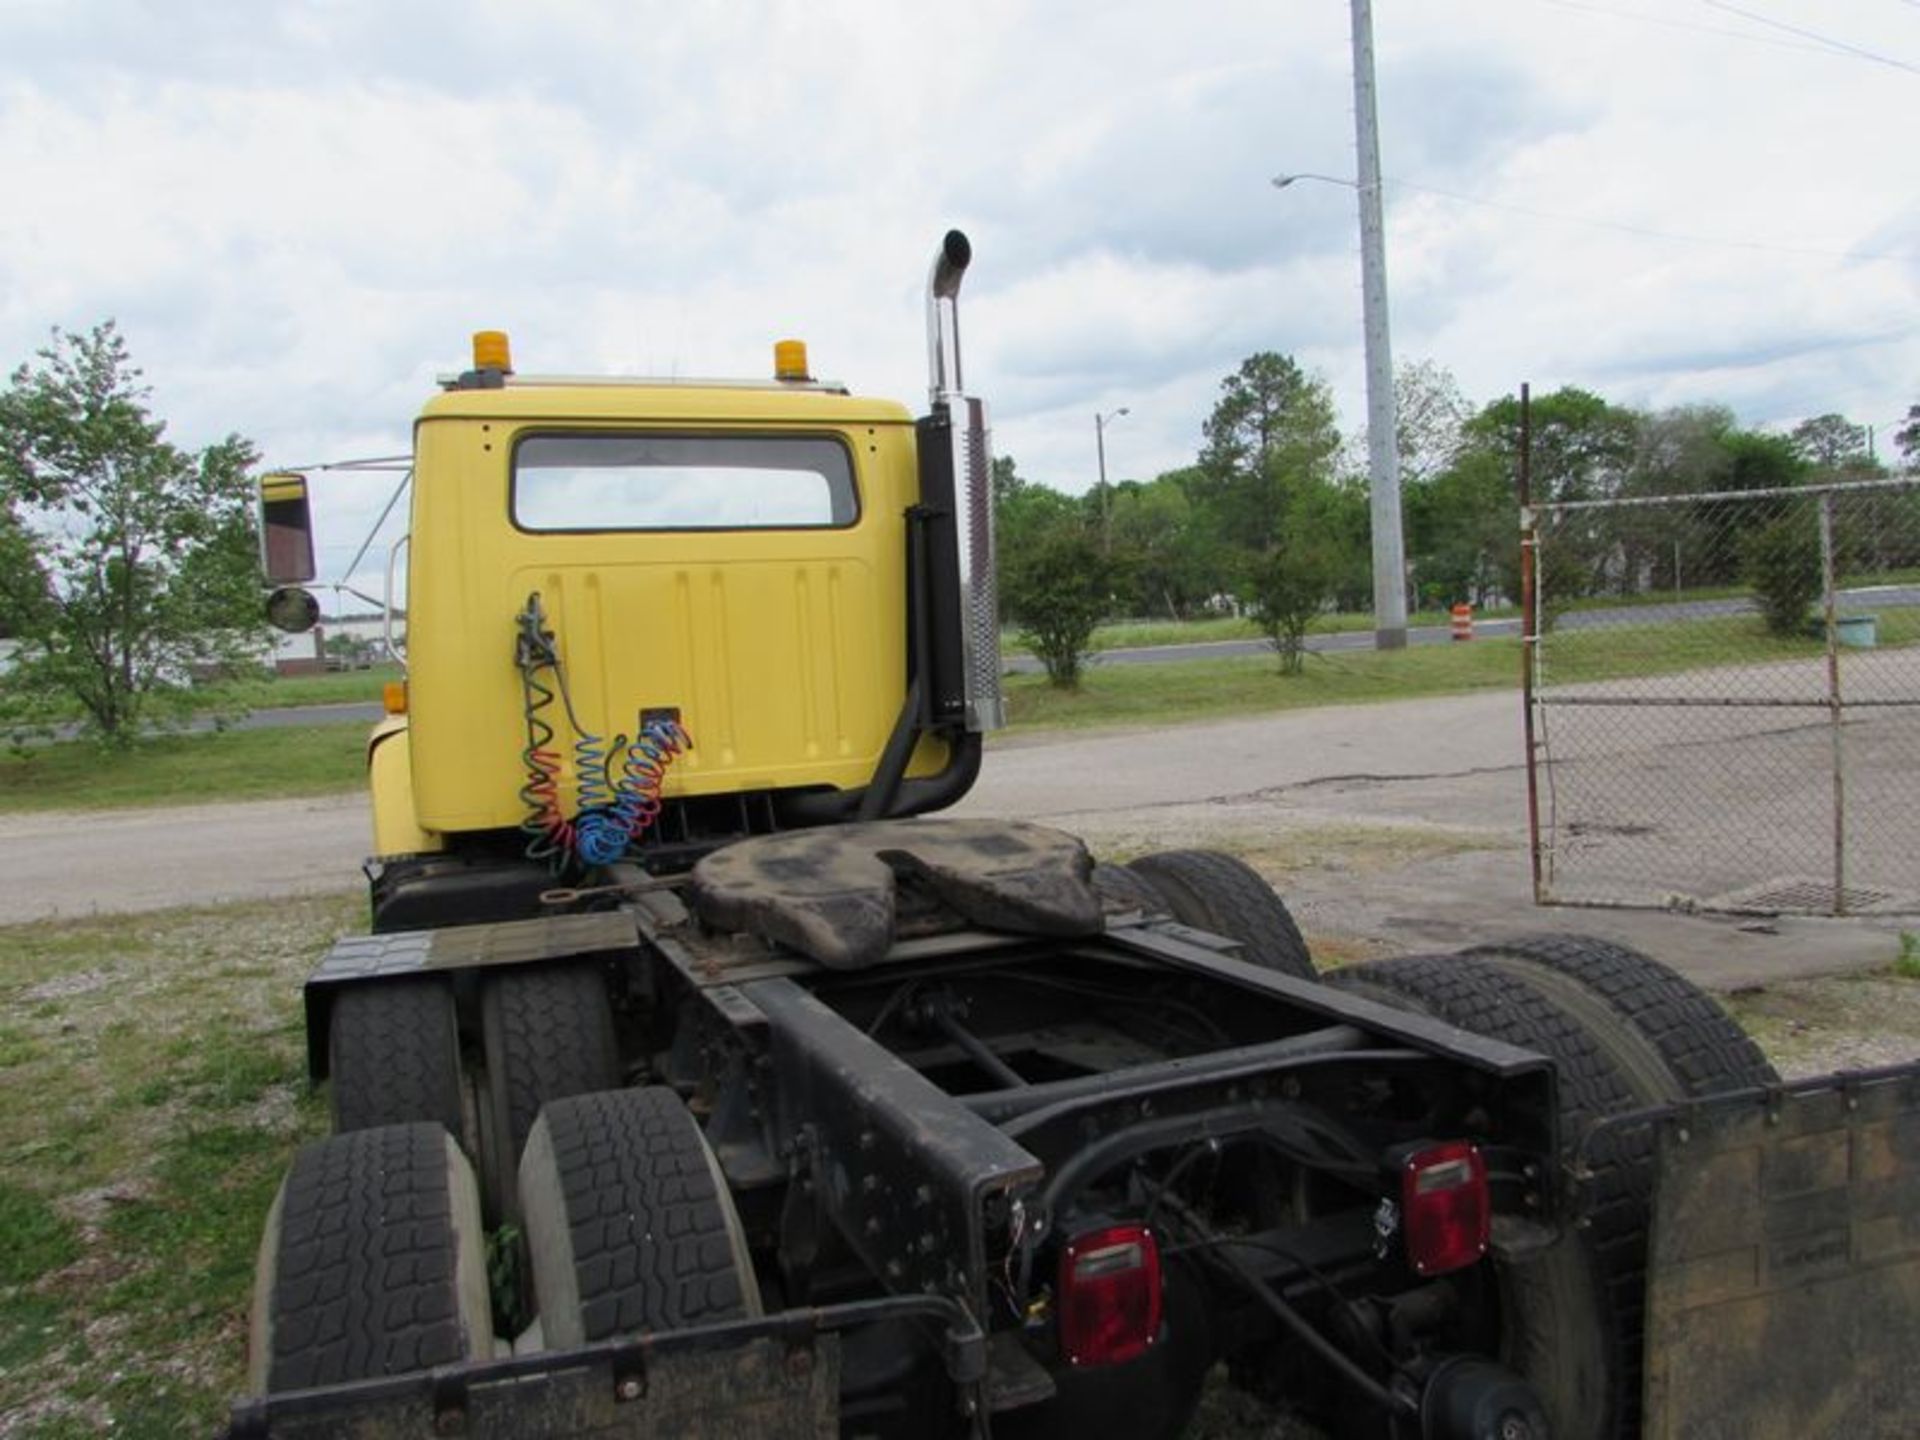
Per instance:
{"type": "Point", "coordinates": [1280, 182]}
{"type": "Point", "coordinates": [1383, 465]}
{"type": "Point", "coordinates": [1100, 423]}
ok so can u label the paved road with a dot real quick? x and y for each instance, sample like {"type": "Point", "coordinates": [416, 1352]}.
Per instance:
{"type": "Point", "coordinates": [1392, 827]}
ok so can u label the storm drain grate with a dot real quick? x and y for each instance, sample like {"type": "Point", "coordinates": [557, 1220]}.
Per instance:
{"type": "Point", "coordinates": [1805, 894]}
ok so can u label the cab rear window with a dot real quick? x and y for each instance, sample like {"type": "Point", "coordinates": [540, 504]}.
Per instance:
{"type": "Point", "coordinates": [682, 482]}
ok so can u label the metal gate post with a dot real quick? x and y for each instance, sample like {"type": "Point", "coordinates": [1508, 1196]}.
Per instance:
{"type": "Point", "coordinates": [1835, 711]}
{"type": "Point", "coordinates": [1530, 638]}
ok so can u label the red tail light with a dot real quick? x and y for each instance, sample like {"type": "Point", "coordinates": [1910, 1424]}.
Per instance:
{"type": "Point", "coordinates": [1109, 1295]}
{"type": "Point", "coordinates": [1445, 1209]}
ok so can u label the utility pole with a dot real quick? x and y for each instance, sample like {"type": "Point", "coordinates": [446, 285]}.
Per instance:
{"type": "Point", "coordinates": [1383, 458]}
{"type": "Point", "coordinates": [1100, 423]}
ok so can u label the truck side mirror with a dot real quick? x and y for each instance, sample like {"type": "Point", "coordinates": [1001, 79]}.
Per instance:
{"type": "Point", "coordinates": [286, 530]}
{"type": "Point", "coordinates": [293, 609]}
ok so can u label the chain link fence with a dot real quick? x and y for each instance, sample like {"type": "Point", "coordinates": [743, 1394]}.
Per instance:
{"type": "Point", "coordinates": [1724, 699]}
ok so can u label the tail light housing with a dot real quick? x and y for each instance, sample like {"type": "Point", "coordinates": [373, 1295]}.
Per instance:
{"type": "Point", "coordinates": [1109, 1305]}
{"type": "Point", "coordinates": [1446, 1211]}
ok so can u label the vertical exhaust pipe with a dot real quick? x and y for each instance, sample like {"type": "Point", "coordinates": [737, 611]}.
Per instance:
{"type": "Point", "coordinates": [960, 480]}
{"type": "Point", "coordinates": [943, 316]}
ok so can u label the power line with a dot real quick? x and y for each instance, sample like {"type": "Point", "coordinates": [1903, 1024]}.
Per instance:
{"type": "Point", "coordinates": [1810, 43]}
{"type": "Point", "coordinates": [1839, 45]}
{"type": "Point", "coordinates": [1698, 29]}
{"type": "Point", "coordinates": [1647, 230]}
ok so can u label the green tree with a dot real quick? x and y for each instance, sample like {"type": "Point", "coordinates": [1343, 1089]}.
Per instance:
{"type": "Point", "coordinates": [1582, 449]}
{"type": "Point", "coordinates": [1295, 579]}
{"type": "Point", "coordinates": [1058, 585]}
{"type": "Point", "coordinates": [1272, 430]}
{"type": "Point", "coordinates": [1907, 438]}
{"type": "Point", "coordinates": [1023, 513]}
{"type": "Point", "coordinates": [125, 562]}
{"type": "Point", "coordinates": [1461, 532]}
{"type": "Point", "coordinates": [1832, 444]}
{"type": "Point", "coordinates": [1431, 413]}
{"type": "Point", "coordinates": [1782, 564]}
{"type": "Point", "coordinates": [1164, 553]}
{"type": "Point", "coordinates": [1762, 462]}
{"type": "Point", "coordinates": [1686, 450]}
{"type": "Point", "coordinates": [1582, 446]}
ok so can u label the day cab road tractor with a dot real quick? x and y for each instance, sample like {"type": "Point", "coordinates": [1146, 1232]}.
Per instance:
{"type": "Point", "coordinates": [691, 1081]}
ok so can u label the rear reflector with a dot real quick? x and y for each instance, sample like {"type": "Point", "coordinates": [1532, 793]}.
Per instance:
{"type": "Point", "coordinates": [1109, 1295]}
{"type": "Point", "coordinates": [1445, 1209]}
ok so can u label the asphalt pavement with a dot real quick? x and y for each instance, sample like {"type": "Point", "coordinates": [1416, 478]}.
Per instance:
{"type": "Point", "coordinates": [1391, 828]}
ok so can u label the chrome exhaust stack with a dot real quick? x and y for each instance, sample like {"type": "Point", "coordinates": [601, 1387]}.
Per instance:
{"type": "Point", "coordinates": [959, 424]}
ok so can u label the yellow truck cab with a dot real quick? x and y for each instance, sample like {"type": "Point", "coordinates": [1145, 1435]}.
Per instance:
{"type": "Point", "coordinates": [646, 616]}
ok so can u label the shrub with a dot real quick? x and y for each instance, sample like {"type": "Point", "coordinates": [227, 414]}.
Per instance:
{"type": "Point", "coordinates": [1781, 561]}
{"type": "Point", "coordinates": [1057, 587]}
{"type": "Point", "coordinates": [1291, 585]}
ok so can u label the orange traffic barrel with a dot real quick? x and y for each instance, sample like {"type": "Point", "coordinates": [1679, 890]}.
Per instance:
{"type": "Point", "coordinates": [1463, 622]}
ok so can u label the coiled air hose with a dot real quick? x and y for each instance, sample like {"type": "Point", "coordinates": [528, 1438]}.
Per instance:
{"type": "Point", "coordinates": [608, 815]}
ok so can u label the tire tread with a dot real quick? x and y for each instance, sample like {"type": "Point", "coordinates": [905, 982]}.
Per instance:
{"type": "Point", "coordinates": [1701, 1044]}
{"type": "Point", "coordinates": [550, 1036]}
{"type": "Point", "coordinates": [647, 1228]}
{"type": "Point", "coordinates": [1214, 891]}
{"type": "Point", "coordinates": [366, 1270]}
{"type": "Point", "coordinates": [394, 1055]}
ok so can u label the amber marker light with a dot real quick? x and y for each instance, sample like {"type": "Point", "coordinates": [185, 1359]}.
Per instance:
{"type": "Point", "coordinates": [393, 697]}
{"type": "Point", "coordinates": [790, 360]}
{"type": "Point", "coordinates": [491, 351]}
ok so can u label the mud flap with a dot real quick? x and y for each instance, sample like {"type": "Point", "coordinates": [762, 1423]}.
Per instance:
{"type": "Point", "coordinates": [1783, 1287]}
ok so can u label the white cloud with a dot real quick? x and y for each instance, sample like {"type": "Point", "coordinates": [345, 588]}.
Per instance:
{"type": "Point", "coordinates": [299, 211]}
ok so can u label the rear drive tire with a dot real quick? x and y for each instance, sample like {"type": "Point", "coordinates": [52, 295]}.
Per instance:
{"type": "Point", "coordinates": [1571, 1318]}
{"type": "Point", "coordinates": [548, 1032]}
{"type": "Point", "coordinates": [372, 1263]}
{"type": "Point", "coordinates": [393, 1055]}
{"type": "Point", "coordinates": [1222, 893]}
{"type": "Point", "coordinates": [1701, 1046]}
{"type": "Point", "coordinates": [629, 1224]}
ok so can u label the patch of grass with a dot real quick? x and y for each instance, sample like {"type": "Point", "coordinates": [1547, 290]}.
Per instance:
{"type": "Point", "coordinates": [143, 1129]}
{"type": "Point", "coordinates": [226, 699]}
{"type": "Point", "coordinates": [1808, 1027]}
{"type": "Point", "coordinates": [1620, 650]}
{"type": "Point", "coordinates": [201, 1228]}
{"type": "Point", "coordinates": [1140, 634]}
{"type": "Point", "coordinates": [186, 769]}
{"type": "Point", "coordinates": [1204, 689]}
{"type": "Point", "coordinates": [30, 1326]}
{"type": "Point", "coordinates": [1907, 963]}
{"type": "Point", "coordinates": [279, 692]}
{"type": "Point", "coordinates": [38, 1238]}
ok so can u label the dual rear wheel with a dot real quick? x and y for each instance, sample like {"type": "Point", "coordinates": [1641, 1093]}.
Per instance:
{"type": "Point", "coordinates": [1625, 1033]}
{"type": "Point", "coordinates": [402, 1085]}
{"type": "Point", "coordinates": [395, 1058]}
{"type": "Point", "coordinates": [374, 1261]}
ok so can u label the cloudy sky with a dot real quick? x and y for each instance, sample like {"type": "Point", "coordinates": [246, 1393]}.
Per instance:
{"type": "Point", "coordinates": [297, 211]}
